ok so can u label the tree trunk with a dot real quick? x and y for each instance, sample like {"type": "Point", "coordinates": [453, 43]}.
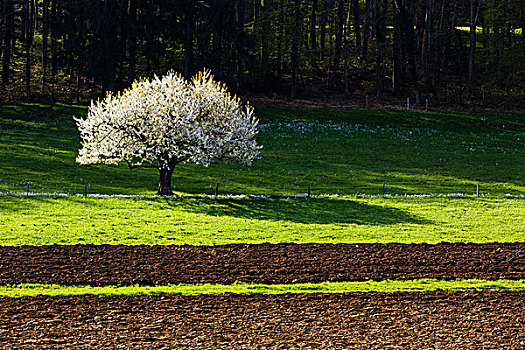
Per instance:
{"type": "Point", "coordinates": [313, 33]}
{"type": "Point", "coordinates": [461, 63]}
{"type": "Point", "coordinates": [345, 47]}
{"type": "Point", "coordinates": [166, 168]}
{"type": "Point", "coordinates": [165, 182]}
{"type": "Point", "coordinates": [280, 45]}
{"type": "Point", "coordinates": [440, 43]}
{"type": "Point", "coordinates": [3, 17]}
{"type": "Point", "coordinates": [357, 25]}
{"type": "Point", "coordinates": [472, 47]}
{"type": "Point", "coordinates": [132, 40]}
{"type": "Point", "coordinates": [312, 51]}
{"type": "Point", "coordinates": [45, 34]}
{"type": "Point", "coordinates": [188, 42]}
{"type": "Point", "coordinates": [295, 48]}
{"type": "Point", "coordinates": [339, 32]}
{"type": "Point", "coordinates": [123, 40]}
{"type": "Point", "coordinates": [265, 28]}
{"type": "Point", "coordinates": [428, 56]}
{"type": "Point", "coordinates": [240, 54]}
{"type": "Point", "coordinates": [29, 33]}
{"type": "Point", "coordinates": [2, 26]}
{"type": "Point", "coordinates": [110, 45]}
{"type": "Point", "coordinates": [366, 30]}
{"type": "Point", "coordinates": [409, 43]}
{"type": "Point", "coordinates": [396, 55]}
{"type": "Point", "coordinates": [380, 29]}
{"type": "Point", "coordinates": [522, 10]}
{"type": "Point", "coordinates": [7, 40]}
{"type": "Point", "coordinates": [54, 46]}
{"type": "Point", "coordinates": [77, 92]}
{"type": "Point", "coordinates": [322, 29]}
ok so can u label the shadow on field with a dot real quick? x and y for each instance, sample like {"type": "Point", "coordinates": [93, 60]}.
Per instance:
{"type": "Point", "coordinates": [322, 211]}
{"type": "Point", "coordinates": [305, 211]}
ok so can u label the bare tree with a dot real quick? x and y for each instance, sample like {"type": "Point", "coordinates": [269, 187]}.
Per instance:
{"type": "Point", "coordinates": [54, 45]}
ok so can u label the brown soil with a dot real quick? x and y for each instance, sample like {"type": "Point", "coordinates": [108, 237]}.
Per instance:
{"type": "Point", "coordinates": [262, 263]}
{"type": "Point", "coordinates": [444, 320]}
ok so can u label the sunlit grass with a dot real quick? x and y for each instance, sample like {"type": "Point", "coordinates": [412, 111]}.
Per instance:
{"type": "Point", "coordinates": [39, 220]}
{"type": "Point", "coordinates": [421, 285]}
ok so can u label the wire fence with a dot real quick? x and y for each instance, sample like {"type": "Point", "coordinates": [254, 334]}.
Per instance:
{"type": "Point", "coordinates": [305, 191]}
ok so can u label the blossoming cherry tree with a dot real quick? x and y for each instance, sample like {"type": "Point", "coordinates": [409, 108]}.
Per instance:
{"type": "Point", "coordinates": [165, 121]}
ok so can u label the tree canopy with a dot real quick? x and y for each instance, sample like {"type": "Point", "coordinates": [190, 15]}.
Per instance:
{"type": "Point", "coordinates": [162, 122]}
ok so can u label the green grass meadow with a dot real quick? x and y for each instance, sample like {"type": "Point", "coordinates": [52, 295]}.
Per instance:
{"type": "Point", "coordinates": [348, 153]}
{"type": "Point", "coordinates": [430, 163]}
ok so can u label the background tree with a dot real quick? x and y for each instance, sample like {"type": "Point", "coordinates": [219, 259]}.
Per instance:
{"type": "Point", "coordinates": [81, 49]}
{"type": "Point", "coordinates": [8, 32]}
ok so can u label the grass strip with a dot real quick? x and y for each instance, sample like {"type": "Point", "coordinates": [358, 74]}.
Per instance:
{"type": "Point", "coordinates": [49, 220]}
{"type": "Point", "coordinates": [419, 285]}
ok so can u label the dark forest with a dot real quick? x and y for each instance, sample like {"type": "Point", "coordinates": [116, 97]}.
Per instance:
{"type": "Point", "coordinates": [449, 51]}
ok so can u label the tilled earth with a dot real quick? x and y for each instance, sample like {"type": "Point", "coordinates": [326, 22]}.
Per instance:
{"type": "Point", "coordinates": [430, 320]}
{"type": "Point", "coordinates": [99, 265]}
{"type": "Point", "coordinates": [437, 320]}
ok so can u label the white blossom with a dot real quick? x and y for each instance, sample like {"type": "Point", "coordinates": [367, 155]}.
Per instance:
{"type": "Point", "coordinates": [165, 121]}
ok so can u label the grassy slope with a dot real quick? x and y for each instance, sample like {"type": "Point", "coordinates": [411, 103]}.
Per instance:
{"type": "Point", "coordinates": [422, 285]}
{"type": "Point", "coordinates": [337, 152]}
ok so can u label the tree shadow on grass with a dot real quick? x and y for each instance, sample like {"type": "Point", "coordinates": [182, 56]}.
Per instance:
{"type": "Point", "coordinates": [321, 211]}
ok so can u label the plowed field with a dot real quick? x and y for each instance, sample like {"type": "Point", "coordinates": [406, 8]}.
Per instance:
{"type": "Point", "coordinates": [444, 320]}
{"type": "Point", "coordinates": [264, 263]}
{"type": "Point", "coordinates": [402, 320]}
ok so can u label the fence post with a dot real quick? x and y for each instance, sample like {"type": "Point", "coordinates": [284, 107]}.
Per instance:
{"type": "Point", "coordinates": [217, 189]}
{"type": "Point", "coordinates": [85, 190]}
{"type": "Point", "coordinates": [27, 189]}
{"type": "Point", "coordinates": [366, 100]}
{"type": "Point", "coordinates": [309, 190]}
{"type": "Point", "coordinates": [383, 189]}
{"type": "Point", "coordinates": [408, 103]}
{"type": "Point", "coordinates": [426, 104]}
